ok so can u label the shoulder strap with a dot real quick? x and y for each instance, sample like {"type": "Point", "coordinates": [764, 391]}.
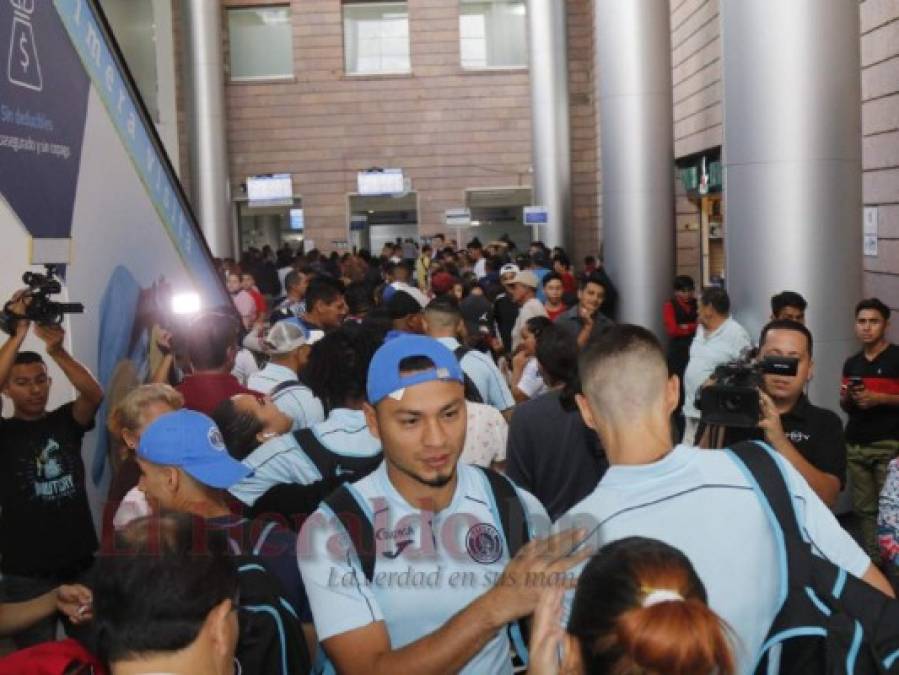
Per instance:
{"type": "Point", "coordinates": [357, 525]}
{"type": "Point", "coordinates": [460, 352]}
{"type": "Point", "coordinates": [771, 483]}
{"type": "Point", "coordinates": [283, 386]}
{"type": "Point", "coordinates": [510, 510]}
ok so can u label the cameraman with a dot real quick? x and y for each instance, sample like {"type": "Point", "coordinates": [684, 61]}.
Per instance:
{"type": "Point", "coordinates": [809, 437]}
{"type": "Point", "coordinates": [47, 536]}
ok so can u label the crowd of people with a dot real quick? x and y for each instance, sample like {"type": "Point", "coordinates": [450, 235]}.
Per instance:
{"type": "Point", "coordinates": [442, 460]}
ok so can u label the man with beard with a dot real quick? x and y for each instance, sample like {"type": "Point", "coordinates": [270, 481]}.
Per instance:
{"type": "Point", "coordinates": [442, 586]}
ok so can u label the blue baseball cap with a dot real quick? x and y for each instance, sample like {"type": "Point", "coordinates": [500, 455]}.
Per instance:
{"type": "Point", "coordinates": [384, 371]}
{"type": "Point", "coordinates": [191, 441]}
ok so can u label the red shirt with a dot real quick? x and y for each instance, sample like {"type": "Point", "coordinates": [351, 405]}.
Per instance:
{"type": "Point", "coordinates": [203, 392]}
{"type": "Point", "coordinates": [553, 313]}
{"type": "Point", "coordinates": [261, 307]}
{"type": "Point", "coordinates": [569, 283]}
{"type": "Point", "coordinates": [671, 326]}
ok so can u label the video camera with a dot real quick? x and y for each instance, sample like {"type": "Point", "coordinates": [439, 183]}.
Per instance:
{"type": "Point", "coordinates": [40, 309]}
{"type": "Point", "coordinates": [733, 400]}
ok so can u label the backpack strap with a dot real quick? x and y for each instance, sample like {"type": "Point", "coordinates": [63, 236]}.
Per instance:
{"type": "Point", "coordinates": [771, 484]}
{"type": "Point", "coordinates": [460, 352]}
{"type": "Point", "coordinates": [513, 521]}
{"type": "Point", "coordinates": [357, 525]}
{"type": "Point", "coordinates": [511, 514]}
{"type": "Point", "coordinates": [283, 386]}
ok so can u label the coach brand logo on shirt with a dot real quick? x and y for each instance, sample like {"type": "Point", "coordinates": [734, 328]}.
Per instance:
{"type": "Point", "coordinates": [384, 534]}
{"type": "Point", "coordinates": [484, 543]}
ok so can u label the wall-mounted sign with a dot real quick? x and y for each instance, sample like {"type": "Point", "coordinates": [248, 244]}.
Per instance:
{"type": "Point", "coordinates": [870, 231]}
{"type": "Point", "coordinates": [380, 182]}
{"type": "Point", "coordinates": [297, 220]}
{"type": "Point", "coordinates": [457, 217]}
{"type": "Point", "coordinates": [358, 221]}
{"type": "Point", "coordinates": [271, 190]}
{"type": "Point", "coordinates": [536, 215]}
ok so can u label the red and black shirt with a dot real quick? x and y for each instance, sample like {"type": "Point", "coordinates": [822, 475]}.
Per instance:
{"type": "Point", "coordinates": [880, 423]}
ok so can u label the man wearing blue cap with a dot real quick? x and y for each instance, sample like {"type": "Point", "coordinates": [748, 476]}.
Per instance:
{"type": "Point", "coordinates": [185, 468]}
{"type": "Point", "coordinates": [408, 570]}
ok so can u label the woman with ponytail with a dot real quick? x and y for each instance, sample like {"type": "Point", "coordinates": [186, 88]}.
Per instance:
{"type": "Point", "coordinates": [639, 609]}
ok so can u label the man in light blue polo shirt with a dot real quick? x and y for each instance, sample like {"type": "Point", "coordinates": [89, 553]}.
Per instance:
{"type": "Point", "coordinates": [718, 339]}
{"type": "Point", "coordinates": [443, 321]}
{"type": "Point", "coordinates": [340, 448]}
{"type": "Point", "coordinates": [696, 500]}
{"type": "Point", "coordinates": [288, 346]}
{"type": "Point", "coordinates": [442, 587]}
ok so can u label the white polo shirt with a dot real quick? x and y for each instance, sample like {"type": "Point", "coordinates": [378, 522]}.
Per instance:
{"type": "Point", "coordinates": [700, 502]}
{"type": "Point", "coordinates": [298, 402]}
{"type": "Point", "coordinates": [707, 351]}
{"type": "Point", "coordinates": [484, 374]}
{"type": "Point", "coordinates": [446, 561]}
{"type": "Point", "coordinates": [282, 460]}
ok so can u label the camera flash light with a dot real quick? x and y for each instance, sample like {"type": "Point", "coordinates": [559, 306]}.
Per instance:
{"type": "Point", "coordinates": [185, 303]}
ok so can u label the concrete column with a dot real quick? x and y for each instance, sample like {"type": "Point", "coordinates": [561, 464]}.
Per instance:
{"type": "Point", "coordinates": [548, 49]}
{"type": "Point", "coordinates": [633, 65]}
{"type": "Point", "coordinates": [792, 157]}
{"type": "Point", "coordinates": [208, 147]}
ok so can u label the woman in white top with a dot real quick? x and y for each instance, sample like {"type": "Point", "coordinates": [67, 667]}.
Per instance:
{"type": "Point", "coordinates": [527, 382]}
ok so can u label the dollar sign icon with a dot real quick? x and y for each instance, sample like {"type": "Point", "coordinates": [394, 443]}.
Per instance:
{"type": "Point", "coordinates": [24, 67]}
{"type": "Point", "coordinates": [25, 61]}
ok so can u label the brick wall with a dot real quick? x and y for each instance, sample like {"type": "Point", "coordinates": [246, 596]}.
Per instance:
{"type": "Point", "coordinates": [880, 144]}
{"type": "Point", "coordinates": [586, 194]}
{"type": "Point", "coordinates": [447, 128]}
{"type": "Point", "coordinates": [696, 75]}
{"type": "Point", "coordinates": [697, 91]}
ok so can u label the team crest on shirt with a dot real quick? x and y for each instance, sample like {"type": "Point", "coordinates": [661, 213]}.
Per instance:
{"type": "Point", "coordinates": [484, 543]}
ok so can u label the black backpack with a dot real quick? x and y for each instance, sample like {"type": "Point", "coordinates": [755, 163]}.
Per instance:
{"type": "Point", "coordinates": [271, 639]}
{"type": "Point", "coordinates": [510, 512]}
{"type": "Point", "coordinates": [471, 391]}
{"type": "Point", "coordinates": [333, 465]}
{"type": "Point", "coordinates": [829, 622]}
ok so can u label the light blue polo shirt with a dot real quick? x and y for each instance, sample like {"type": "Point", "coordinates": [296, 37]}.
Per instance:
{"type": "Point", "coordinates": [298, 402]}
{"type": "Point", "coordinates": [484, 374]}
{"type": "Point", "coordinates": [282, 460]}
{"type": "Point", "coordinates": [700, 502]}
{"type": "Point", "coordinates": [446, 561]}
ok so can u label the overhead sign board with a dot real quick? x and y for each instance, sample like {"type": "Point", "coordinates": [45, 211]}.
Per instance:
{"type": "Point", "coordinates": [270, 190]}
{"type": "Point", "coordinates": [297, 220]}
{"type": "Point", "coordinates": [457, 217]}
{"type": "Point", "coordinates": [380, 182]}
{"type": "Point", "coordinates": [536, 215]}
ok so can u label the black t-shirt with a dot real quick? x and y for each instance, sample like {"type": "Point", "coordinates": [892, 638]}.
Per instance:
{"type": "Point", "coordinates": [505, 311]}
{"type": "Point", "coordinates": [46, 523]}
{"type": "Point", "coordinates": [817, 433]}
{"type": "Point", "coordinates": [880, 423]}
{"type": "Point", "coordinates": [552, 454]}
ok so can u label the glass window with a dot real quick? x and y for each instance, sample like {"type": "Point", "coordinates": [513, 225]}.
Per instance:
{"type": "Point", "coordinates": [493, 33]}
{"type": "Point", "coordinates": [376, 37]}
{"type": "Point", "coordinates": [261, 42]}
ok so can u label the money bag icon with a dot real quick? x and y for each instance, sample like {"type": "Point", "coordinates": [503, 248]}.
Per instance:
{"type": "Point", "coordinates": [24, 69]}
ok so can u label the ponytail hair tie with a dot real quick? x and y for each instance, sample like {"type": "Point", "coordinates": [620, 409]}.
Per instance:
{"type": "Point", "coordinates": [655, 596]}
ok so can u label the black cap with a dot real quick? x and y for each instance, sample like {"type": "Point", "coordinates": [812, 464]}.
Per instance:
{"type": "Point", "coordinates": [401, 305]}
